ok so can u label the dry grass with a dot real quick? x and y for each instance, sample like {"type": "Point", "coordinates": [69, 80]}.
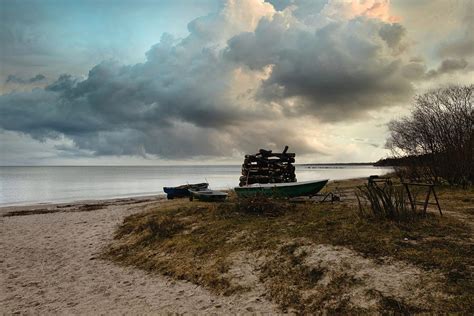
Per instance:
{"type": "Point", "coordinates": [194, 241]}
{"type": "Point", "coordinates": [457, 199]}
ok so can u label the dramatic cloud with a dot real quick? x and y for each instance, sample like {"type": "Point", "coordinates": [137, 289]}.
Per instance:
{"type": "Point", "coordinates": [448, 66]}
{"type": "Point", "coordinates": [336, 70]}
{"type": "Point", "coordinates": [15, 79]}
{"type": "Point", "coordinates": [251, 75]}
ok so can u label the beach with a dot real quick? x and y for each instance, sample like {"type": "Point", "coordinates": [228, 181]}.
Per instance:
{"type": "Point", "coordinates": [51, 264]}
{"type": "Point", "coordinates": [63, 258]}
{"type": "Point", "coordinates": [236, 157]}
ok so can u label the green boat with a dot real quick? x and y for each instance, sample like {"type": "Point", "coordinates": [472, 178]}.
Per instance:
{"type": "Point", "coordinates": [208, 195]}
{"type": "Point", "coordinates": [286, 190]}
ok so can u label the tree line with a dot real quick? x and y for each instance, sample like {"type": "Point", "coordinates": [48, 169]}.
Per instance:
{"type": "Point", "coordinates": [436, 141]}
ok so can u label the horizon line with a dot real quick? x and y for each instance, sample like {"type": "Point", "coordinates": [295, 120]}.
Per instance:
{"type": "Point", "coordinates": [193, 165]}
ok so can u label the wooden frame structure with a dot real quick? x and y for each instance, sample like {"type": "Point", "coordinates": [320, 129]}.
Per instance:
{"type": "Point", "coordinates": [376, 180]}
{"type": "Point", "coordinates": [414, 203]}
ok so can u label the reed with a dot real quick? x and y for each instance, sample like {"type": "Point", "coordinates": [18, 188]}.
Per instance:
{"type": "Point", "coordinates": [385, 202]}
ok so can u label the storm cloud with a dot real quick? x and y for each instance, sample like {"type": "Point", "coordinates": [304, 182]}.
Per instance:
{"type": "Point", "coordinates": [15, 79]}
{"type": "Point", "coordinates": [236, 83]}
{"type": "Point", "coordinates": [448, 66]}
{"type": "Point", "coordinates": [347, 66]}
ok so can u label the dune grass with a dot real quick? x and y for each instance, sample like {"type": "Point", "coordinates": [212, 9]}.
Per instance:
{"type": "Point", "coordinates": [195, 241]}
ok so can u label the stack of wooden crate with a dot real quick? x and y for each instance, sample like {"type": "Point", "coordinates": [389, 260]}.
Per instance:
{"type": "Point", "coordinates": [268, 167]}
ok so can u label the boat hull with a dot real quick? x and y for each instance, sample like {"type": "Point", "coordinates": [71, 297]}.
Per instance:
{"type": "Point", "coordinates": [183, 190]}
{"type": "Point", "coordinates": [283, 190]}
{"type": "Point", "coordinates": [208, 195]}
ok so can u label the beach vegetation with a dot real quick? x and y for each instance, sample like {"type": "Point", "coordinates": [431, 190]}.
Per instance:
{"type": "Point", "coordinates": [206, 242]}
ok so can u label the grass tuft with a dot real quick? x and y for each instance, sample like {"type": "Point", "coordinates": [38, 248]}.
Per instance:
{"type": "Point", "coordinates": [262, 206]}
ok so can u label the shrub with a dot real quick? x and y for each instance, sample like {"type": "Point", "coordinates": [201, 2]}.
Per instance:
{"type": "Point", "coordinates": [386, 202]}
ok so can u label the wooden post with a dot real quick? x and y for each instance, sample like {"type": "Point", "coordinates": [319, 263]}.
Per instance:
{"type": "Point", "coordinates": [426, 200]}
{"type": "Point", "coordinates": [413, 206]}
{"type": "Point", "coordinates": [437, 202]}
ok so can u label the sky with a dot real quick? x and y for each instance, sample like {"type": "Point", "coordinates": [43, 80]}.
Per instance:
{"type": "Point", "coordinates": [143, 82]}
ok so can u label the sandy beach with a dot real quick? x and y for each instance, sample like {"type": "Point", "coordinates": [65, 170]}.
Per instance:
{"type": "Point", "coordinates": [50, 265]}
{"type": "Point", "coordinates": [53, 263]}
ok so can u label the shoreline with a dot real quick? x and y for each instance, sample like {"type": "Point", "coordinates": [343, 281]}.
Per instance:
{"type": "Point", "coordinates": [48, 186]}
{"type": "Point", "coordinates": [133, 197]}
{"type": "Point", "coordinates": [81, 201]}
{"type": "Point", "coordinates": [77, 206]}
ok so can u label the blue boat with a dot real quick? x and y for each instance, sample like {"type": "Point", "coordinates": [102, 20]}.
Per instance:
{"type": "Point", "coordinates": [183, 190]}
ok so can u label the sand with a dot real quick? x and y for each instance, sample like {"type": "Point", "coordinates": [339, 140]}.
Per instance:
{"type": "Point", "coordinates": [372, 278]}
{"type": "Point", "coordinates": [50, 265]}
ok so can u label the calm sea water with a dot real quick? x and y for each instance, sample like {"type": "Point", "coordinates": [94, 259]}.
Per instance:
{"type": "Point", "coordinates": [25, 185]}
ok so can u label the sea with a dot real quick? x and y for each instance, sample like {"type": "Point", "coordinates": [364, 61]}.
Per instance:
{"type": "Point", "coordinates": [30, 185]}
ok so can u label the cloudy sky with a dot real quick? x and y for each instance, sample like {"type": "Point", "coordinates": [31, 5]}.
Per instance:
{"type": "Point", "coordinates": [205, 81]}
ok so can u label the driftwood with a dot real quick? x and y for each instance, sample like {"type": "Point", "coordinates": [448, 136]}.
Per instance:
{"type": "Point", "coordinates": [268, 167]}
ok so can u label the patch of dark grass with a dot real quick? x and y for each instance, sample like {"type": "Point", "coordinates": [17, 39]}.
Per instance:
{"type": "Point", "coordinates": [295, 286]}
{"type": "Point", "coordinates": [187, 243]}
{"type": "Point", "coordinates": [261, 205]}
{"type": "Point", "coordinates": [157, 227]}
{"type": "Point", "coordinates": [288, 277]}
{"type": "Point", "coordinates": [397, 307]}
{"type": "Point", "coordinates": [458, 199]}
{"type": "Point", "coordinates": [330, 298]}
{"type": "Point", "coordinates": [90, 207]}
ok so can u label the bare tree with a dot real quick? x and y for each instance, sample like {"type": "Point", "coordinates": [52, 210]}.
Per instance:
{"type": "Point", "coordinates": [438, 135]}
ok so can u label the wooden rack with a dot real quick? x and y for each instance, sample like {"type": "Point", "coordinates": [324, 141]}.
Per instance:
{"type": "Point", "coordinates": [414, 203]}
